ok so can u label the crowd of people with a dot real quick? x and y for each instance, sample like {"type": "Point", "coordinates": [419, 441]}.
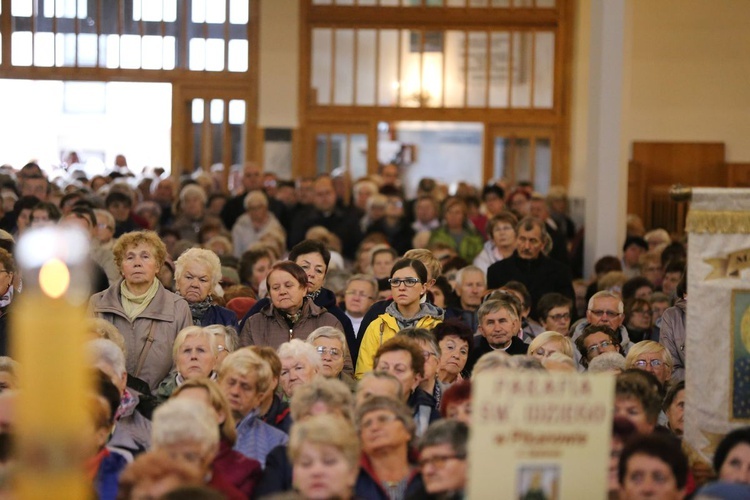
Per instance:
{"type": "Point", "coordinates": [316, 338]}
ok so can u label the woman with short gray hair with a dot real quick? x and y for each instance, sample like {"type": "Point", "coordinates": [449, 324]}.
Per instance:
{"type": "Point", "coordinates": [330, 344]}
{"type": "Point", "coordinates": [197, 274]}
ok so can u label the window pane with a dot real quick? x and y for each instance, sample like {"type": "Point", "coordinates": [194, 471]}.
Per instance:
{"type": "Point", "coordinates": [216, 11]}
{"type": "Point", "coordinates": [197, 54]}
{"type": "Point", "coordinates": [432, 68]}
{"type": "Point", "coordinates": [366, 68]}
{"type": "Point", "coordinates": [499, 47]}
{"type": "Point", "coordinates": [238, 55]}
{"type": "Point", "coordinates": [65, 49]}
{"type": "Point", "coordinates": [455, 64]}
{"type": "Point", "coordinates": [477, 60]}
{"type": "Point", "coordinates": [388, 72]}
{"type": "Point", "coordinates": [21, 8]}
{"type": "Point", "coordinates": [236, 112]}
{"type": "Point", "coordinates": [152, 52]}
{"type": "Point", "coordinates": [542, 165]}
{"type": "Point", "coordinates": [500, 151]}
{"type": "Point", "coordinates": [239, 11]}
{"type": "Point", "coordinates": [169, 13]}
{"type": "Point", "coordinates": [521, 82]}
{"type": "Point", "coordinates": [169, 52]}
{"type": "Point", "coordinates": [44, 49]}
{"type": "Point", "coordinates": [521, 159]}
{"type": "Point", "coordinates": [87, 46]}
{"type": "Point", "coordinates": [130, 51]}
{"type": "Point", "coordinates": [321, 66]}
{"type": "Point", "coordinates": [113, 51]}
{"type": "Point", "coordinates": [21, 48]}
{"type": "Point", "coordinates": [198, 14]}
{"type": "Point", "coordinates": [545, 3]}
{"type": "Point", "coordinates": [410, 83]}
{"type": "Point", "coordinates": [544, 69]}
{"type": "Point", "coordinates": [322, 154]}
{"type": "Point", "coordinates": [217, 111]}
{"type": "Point", "coordinates": [85, 97]}
{"type": "Point", "coordinates": [344, 83]}
{"type": "Point", "coordinates": [197, 113]}
{"type": "Point", "coordinates": [358, 155]}
{"type": "Point", "coordinates": [214, 54]}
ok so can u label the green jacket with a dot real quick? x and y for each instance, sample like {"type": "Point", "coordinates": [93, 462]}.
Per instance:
{"type": "Point", "coordinates": [471, 244]}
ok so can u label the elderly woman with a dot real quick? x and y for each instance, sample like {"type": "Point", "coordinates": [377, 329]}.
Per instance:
{"type": "Point", "coordinates": [194, 355]}
{"type": "Point", "coordinates": [652, 357]}
{"type": "Point", "coordinates": [442, 458]}
{"type": "Point", "coordinates": [456, 341]}
{"type": "Point", "coordinates": [331, 346]}
{"type": "Point", "coordinates": [638, 320]}
{"type": "Point", "coordinates": [226, 339]}
{"type": "Point", "coordinates": [547, 343]}
{"type": "Point", "coordinates": [300, 364]}
{"type": "Point", "coordinates": [457, 232]}
{"type": "Point", "coordinates": [385, 429]}
{"type": "Point", "coordinates": [254, 223]}
{"type": "Point", "coordinates": [432, 355]}
{"type": "Point", "coordinates": [242, 472]}
{"type": "Point", "coordinates": [291, 314]}
{"type": "Point", "coordinates": [192, 212]}
{"type": "Point", "coordinates": [637, 400]}
{"type": "Point", "coordinates": [408, 284]}
{"type": "Point", "coordinates": [186, 429]}
{"type": "Point", "coordinates": [8, 374]}
{"type": "Point", "coordinates": [147, 315]}
{"type": "Point", "coordinates": [197, 272]}
{"type": "Point", "coordinates": [322, 396]}
{"type": "Point", "coordinates": [325, 453]}
{"type": "Point", "coordinates": [501, 230]}
{"type": "Point", "coordinates": [457, 402]}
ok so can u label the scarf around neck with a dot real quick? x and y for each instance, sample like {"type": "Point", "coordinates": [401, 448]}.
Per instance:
{"type": "Point", "coordinates": [132, 304]}
{"type": "Point", "coordinates": [198, 310]}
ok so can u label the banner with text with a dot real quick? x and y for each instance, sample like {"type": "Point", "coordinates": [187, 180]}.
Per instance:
{"type": "Point", "coordinates": [540, 435]}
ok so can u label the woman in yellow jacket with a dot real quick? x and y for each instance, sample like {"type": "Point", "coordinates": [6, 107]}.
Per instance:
{"type": "Point", "coordinates": [408, 278]}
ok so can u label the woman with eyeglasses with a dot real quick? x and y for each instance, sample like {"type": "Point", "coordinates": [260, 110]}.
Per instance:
{"type": "Point", "coordinates": [638, 320]}
{"type": "Point", "coordinates": [547, 343]}
{"type": "Point", "coordinates": [408, 286]}
{"type": "Point", "coordinates": [331, 345]}
{"type": "Point", "coordinates": [651, 357]}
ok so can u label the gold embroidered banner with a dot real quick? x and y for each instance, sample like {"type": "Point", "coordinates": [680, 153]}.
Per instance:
{"type": "Point", "coordinates": [729, 266]}
{"type": "Point", "coordinates": [717, 222]}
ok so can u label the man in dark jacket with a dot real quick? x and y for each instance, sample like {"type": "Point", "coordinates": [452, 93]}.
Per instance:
{"type": "Point", "coordinates": [252, 180]}
{"type": "Point", "coordinates": [530, 266]}
{"type": "Point", "coordinates": [499, 326]}
{"type": "Point", "coordinates": [313, 257]}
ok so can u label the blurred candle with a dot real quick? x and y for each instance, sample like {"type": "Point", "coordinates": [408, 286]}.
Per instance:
{"type": "Point", "coordinates": [48, 330]}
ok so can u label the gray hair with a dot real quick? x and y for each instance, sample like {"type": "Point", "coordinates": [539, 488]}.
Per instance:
{"type": "Point", "coordinates": [193, 331]}
{"type": "Point", "coordinates": [106, 351]}
{"type": "Point", "coordinates": [501, 359]}
{"type": "Point", "coordinates": [193, 190]}
{"type": "Point", "coordinates": [383, 376]}
{"type": "Point", "coordinates": [607, 362]}
{"type": "Point", "coordinates": [296, 348]}
{"type": "Point", "coordinates": [184, 420]}
{"type": "Point", "coordinates": [332, 392]}
{"type": "Point", "coordinates": [328, 332]}
{"type": "Point", "coordinates": [448, 431]}
{"type": "Point", "coordinates": [369, 278]}
{"type": "Point", "coordinates": [423, 335]}
{"type": "Point", "coordinates": [399, 409]}
{"type": "Point", "coordinates": [469, 269]}
{"type": "Point", "coordinates": [493, 306]}
{"type": "Point", "coordinates": [231, 339]}
{"type": "Point", "coordinates": [204, 256]}
{"type": "Point", "coordinates": [104, 214]}
{"type": "Point", "coordinates": [558, 357]}
{"type": "Point", "coordinates": [606, 294]}
{"type": "Point", "coordinates": [255, 197]}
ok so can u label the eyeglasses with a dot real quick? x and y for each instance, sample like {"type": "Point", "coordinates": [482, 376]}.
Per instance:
{"type": "Point", "coordinates": [642, 363]}
{"type": "Point", "coordinates": [599, 347]}
{"type": "Point", "coordinates": [333, 352]}
{"type": "Point", "coordinates": [380, 419]}
{"type": "Point", "coordinates": [353, 293]}
{"type": "Point", "coordinates": [427, 354]}
{"type": "Point", "coordinates": [439, 460]}
{"type": "Point", "coordinates": [397, 282]}
{"type": "Point", "coordinates": [604, 312]}
{"type": "Point", "coordinates": [559, 317]}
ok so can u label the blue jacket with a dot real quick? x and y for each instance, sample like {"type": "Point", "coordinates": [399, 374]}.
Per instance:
{"type": "Point", "coordinates": [108, 475]}
{"type": "Point", "coordinates": [326, 299]}
{"type": "Point", "coordinates": [217, 315]}
{"type": "Point", "coordinates": [256, 439]}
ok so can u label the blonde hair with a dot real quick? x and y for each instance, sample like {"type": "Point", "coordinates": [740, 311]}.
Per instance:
{"type": "Point", "coordinates": [193, 190]}
{"type": "Point", "coordinates": [566, 346]}
{"type": "Point", "coordinates": [245, 362]}
{"type": "Point", "coordinates": [331, 392]}
{"type": "Point", "coordinates": [103, 329]}
{"type": "Point", "coordinates": [325, 430]}
{"type": "Point", "coordinates": [10, 366]}
{"type": "Point", "coordinates": [203, 256]}
{"type": "Point", "coordinates": [193, 331]}
{"type": "Point", "coordinates": [329, 332]}
{"type": "Point", "coordinates": [648, 347]}
{"type": "Point", "coordinates": [426, 257]}
{"type": "Point", "coordinates": [135, 238]}
{"type": "Point", "coordinates": [218, 402]}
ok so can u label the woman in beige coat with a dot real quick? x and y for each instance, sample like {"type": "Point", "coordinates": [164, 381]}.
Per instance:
{"type": "Point", "coordinates": [147, 315]}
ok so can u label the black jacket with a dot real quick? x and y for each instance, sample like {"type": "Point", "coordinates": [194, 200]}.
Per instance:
{"type": "Point", "coordinates": [541, 275]}
{"type": "Point", "coordinates": [342, 223]}
{"type": "Point", "coordinates": [482, 347]}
